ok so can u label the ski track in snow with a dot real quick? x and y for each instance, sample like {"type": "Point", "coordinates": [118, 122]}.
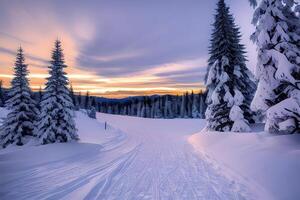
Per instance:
{"type": "Point", "coordinates": [142, 163]}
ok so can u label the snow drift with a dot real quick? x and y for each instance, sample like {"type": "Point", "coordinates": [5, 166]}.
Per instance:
{"type": "Point", "coordinates": [270, 163]}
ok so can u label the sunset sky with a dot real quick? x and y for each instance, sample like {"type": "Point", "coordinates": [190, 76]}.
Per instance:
{"type": "Point", "coordinates": [117, 48]}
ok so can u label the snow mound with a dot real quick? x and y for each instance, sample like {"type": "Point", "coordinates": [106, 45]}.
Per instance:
{"type": "Point", "coordinates": [269, 163]}
{"type": "Point", "coordinates": [92, 137]}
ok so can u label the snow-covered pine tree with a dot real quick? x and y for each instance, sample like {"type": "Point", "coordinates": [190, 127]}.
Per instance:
{"type": "Point", "coordinates": [168, 109]}
{"type": "Point", "coordinates": [228, 81]}
{"type": "Point", "coordinates": [128, 109]}
{"type": "Point", "coordinates": [165, 107]}
{"type": "Point", "coordinates": [23, 111]}
{"type": "Point", "coordinates": [116, 109]}
{"type": "Point", "coordinates": [189, 104]}
{"type": "Point", "coordinates": [133, 108]}
{"type": "Point", "coordinates": [161, 106]}
{"type": "Point", "coordinates": [2, 95]}
{"type": "Point", "coordinates": [39, 95]}
{"type": "Point", "coordinates": [79, 99]}
{"type": "Point", "coordinates": [152, 115]}
{"type": "Point", "coordinates": [123, 109]}
{"type": "Point", "coordinates": [277, 37]}
{"type": "Point", "coordinates": [98, 108]}
{"type": "Point", "coordinates": [217, 112]}
{"type": "Point", "coordinates": [93, 102]}
{"type": "Point", "coordinates": [195, 107]}
{"type": "Point", "coordinates": [183, 111]}
{"type": "Point", "coordinates": [92, 112]}
{"type": "Point", "coordinates": [109, 110]}
{"type": "Point", "coordinates": [87, 100]}
{"type": "Point", "coordinates": [56, 121]}
{"type": "Point", "coordinates": [201, 105]}
{"type": "Point", "coordinates": [143, 110]}
{"type": "Point", "coordinates": [139, 109]}
{"type": "Point", "coordinates": [147, 110]}
{"type": "Point", "coordinates": [176, 105]}
{"type": "Point", "coordinates": [158, 113]}
{"type": "Point", "coordinates": [74, 98]}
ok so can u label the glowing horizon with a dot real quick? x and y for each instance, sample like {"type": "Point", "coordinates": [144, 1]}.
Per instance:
{"type": "Point", "coordinates": [110, 92]}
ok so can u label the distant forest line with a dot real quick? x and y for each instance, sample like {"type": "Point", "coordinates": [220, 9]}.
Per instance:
{"type": "Point", "coordinates": [188, 105]}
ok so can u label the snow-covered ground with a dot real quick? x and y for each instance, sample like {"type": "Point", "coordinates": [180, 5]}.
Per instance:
{"type": "Point", "coordinates": [137, 158]}
{"type": "Point", "coordinates": [267, 162]}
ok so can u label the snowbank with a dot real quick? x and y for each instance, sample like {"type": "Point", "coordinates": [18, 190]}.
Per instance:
{"type": "Point", "coordinates": [270, 162]}
{"type": "Point", "coordinates": [92, 134]}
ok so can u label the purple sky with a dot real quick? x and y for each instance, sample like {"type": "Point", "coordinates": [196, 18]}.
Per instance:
{"type": "Point", "coordinates": [115, 47]}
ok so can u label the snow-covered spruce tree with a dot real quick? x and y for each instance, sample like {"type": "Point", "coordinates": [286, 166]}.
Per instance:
{"type": "Point", "coordinates": [79, 98]}
{"type": "Point", "coordinates": [157, 110]}
{"type": "Point", "coordinates": [277, 37]}
{"type": "Point", "coordinates": [152, 112]}
{"type": "Point", "coordinates": [183, 106]}
{"type": "Point", "coordinates": [87, 100]}
{"type": "Point", "coordinates": [168, 108]}
{"type": "Point", "coordinates": [38, 96]}
{"type": "Point", "coordinates": [74, 98]}
{"type": "Point", "coordinates": [189, 104]}
{"type": "Point", "coordinates": [20, 121]}
{"type": "Point", "coordinates": [195, 107]}
{"type": "Point", "coordinates": [202, 105]}
{"type": "Point", "coordinates": [56, 121]}
{"type": "Point", "coordinates": [92, 113]}
{"type": "Point", "coordinates": [228, 81]}
{"type": "Point", "coordinates": [2, 95]}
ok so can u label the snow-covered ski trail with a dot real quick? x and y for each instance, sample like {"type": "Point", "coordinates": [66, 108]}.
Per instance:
{"type": "Point", "coordinates": [148, 161]}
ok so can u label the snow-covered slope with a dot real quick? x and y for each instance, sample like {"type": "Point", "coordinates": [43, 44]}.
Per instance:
{"type": "Point", "coordinates": [148, 159]}
{"type": "Point", "coordinates": [138, 158]}
{"type": "Point", "coordinates": [90, 131]}
{"type": "Point", "coordinates": [268, 162]}
{"type": "Point", "coordinates": [23, 167]}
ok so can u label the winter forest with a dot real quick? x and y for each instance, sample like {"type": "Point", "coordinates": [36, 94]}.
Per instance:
{"type": "Point", "coordinates": [193, 134]}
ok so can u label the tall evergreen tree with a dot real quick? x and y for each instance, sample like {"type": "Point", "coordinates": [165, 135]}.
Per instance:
{"type": "Point", "coordinates": [195, 107]}
{"type": "Point", "coordinates": [87, 101]}
{"type": "Point", "coordinates": [168, 113]}
{"type": "Point", "coordinates": [277, 37]}
{"type": "Point", "coordinates": [80, 100]}
{"type": "Point", "coordinates": [74, 98]}
{"type": "Point", "coordinates": [93, 102]}
{"type": "Point", "coordinates": [38, 96]}
{"type": "Point", "coordinates": [229, 82]}
{"type": "Point", "coordinates": [189, 103]}
{"type": "Point", "coordinates": [183, 112]}
{"type": "Point", "coordinates": [2, 95]}
{"type": "Point", "coordinates": [20, 121]}
{"type": "Point", "coordinates": [201, 105]}
{"type": "Point", "coordinates": [158, 111]}
{"type": "Point", "coordinates": [56, 121]}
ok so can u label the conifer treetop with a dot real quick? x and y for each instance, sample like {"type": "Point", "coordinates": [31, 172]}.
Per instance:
{"type": "Point", "coordinates": [56, 123]}
{"type": "Point", "coordinates": [23, 111]}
